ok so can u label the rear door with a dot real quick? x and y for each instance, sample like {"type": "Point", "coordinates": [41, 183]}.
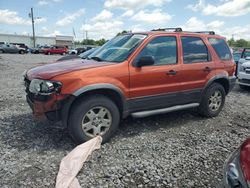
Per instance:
{"type": "Point", "coordinates": [158, 85]}
{"type": "Point", "coordinates": [197, 68]}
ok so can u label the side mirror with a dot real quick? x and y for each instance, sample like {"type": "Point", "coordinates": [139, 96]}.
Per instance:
{"type": "Point", "coordinates": [144, 61]}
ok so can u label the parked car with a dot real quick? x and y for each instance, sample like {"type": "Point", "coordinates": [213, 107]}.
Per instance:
{"type": "Point", "coordinates": [72, 52]}
{"type": "Point", "coordinates": [244, 69]}
{"type": "Point", "coordinates": [78, 50]}
{"type": "Point", "coordinates": [9, 48]}
{"type": "Point", "coordinates": [237, 168]}
{"type": "Point", "coordinates": [55, 50]}
{"type": "Point", "coordinates": [83, 55]}
{"type": "Point", "coordinates": [138, 74]}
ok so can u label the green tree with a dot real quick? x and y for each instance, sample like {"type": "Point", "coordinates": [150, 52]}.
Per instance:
{"type": "Point", "coordinates": [231, 42]}
{"type": "Point", "coordinates": [241, 43]}
{"type": "Point", "coordinates": [123, 32]}
{"type": "Point", "coordinates": [100, 42]}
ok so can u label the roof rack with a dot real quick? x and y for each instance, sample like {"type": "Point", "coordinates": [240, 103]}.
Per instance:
{"type": "Point", "coordinates": [177, 29]}
{"type": "Point", "coordinates": [206, 32]}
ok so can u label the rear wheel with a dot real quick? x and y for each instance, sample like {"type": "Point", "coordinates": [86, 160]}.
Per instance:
{"type": "Point", "coordinates": [95, 115]}
{"type": "Point", "coordinates": [1, 51]}
{"type": "Point", "coordinates": [212, 101]}
{"type": "Point", "coordinates": [48, 53]}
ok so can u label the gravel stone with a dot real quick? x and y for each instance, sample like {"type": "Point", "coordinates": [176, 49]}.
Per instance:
{"type": "Point", "coordinates": [179, 149]}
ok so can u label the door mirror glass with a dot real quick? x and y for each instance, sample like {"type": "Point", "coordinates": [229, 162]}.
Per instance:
{"type": "Point", "coordinates": [144, 61]}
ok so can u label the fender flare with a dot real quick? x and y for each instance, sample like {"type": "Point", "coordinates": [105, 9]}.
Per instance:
{"type": "Point", "coordinates": [68, 103]}
{"type": "Point", "coordinates": [213, 79]}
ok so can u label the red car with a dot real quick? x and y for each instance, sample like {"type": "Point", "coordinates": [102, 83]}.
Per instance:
{"type": "Point", "coordinates": [55, 50]}
{"type": "Point", "coordinates": [237, 168]}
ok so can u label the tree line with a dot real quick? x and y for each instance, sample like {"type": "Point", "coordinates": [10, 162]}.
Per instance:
{"type": "Point", "coordinates": [238, 43]}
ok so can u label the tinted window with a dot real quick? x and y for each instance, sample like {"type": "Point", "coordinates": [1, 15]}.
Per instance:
{"type": "Point", "coordinates": [246, 53]}
{"type": "Point", "coordinates": [221, 48]}
{"type": "Point", "coordinates": [163, 49]}
{"type": "Point", "coordinates": [194, 50]}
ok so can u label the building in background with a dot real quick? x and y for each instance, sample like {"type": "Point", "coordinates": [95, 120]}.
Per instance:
{"type": "Point", "coordinates": [40, 41]}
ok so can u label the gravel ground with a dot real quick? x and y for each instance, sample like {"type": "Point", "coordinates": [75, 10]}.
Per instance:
{"type": "Point", "coordinates": [178, 149]}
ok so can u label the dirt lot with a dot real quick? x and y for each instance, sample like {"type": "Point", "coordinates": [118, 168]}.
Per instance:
{"type": "Point", "coordinates": [178, 149]}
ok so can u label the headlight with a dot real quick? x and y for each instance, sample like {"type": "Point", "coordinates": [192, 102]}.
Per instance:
{"type": "Point", "coordinates": [233, 177]}
{"type": "Point", "coordinates": [241, 69]}
{"type": "Point", "coordinates": [44, 87]}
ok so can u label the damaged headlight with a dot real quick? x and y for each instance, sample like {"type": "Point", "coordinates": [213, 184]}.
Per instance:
{"type": "Point", "coordinates": [44, 87]}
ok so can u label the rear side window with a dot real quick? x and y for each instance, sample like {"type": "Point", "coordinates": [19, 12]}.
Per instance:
{"type": "Point", "coordinates": [194, 50]}
{"type": "Point", "coordinates": [221, 48]}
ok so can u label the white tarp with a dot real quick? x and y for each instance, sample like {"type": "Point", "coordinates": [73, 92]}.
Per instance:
{"type": "Point", "coordinates": [73, 162]}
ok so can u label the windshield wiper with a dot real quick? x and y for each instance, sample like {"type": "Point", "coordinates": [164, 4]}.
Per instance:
{"type": "Point", "coordinates": [96, 58]}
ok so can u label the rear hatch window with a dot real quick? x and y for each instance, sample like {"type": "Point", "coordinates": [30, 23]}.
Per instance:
{"type": "Point", "coordinates": [221, 48]}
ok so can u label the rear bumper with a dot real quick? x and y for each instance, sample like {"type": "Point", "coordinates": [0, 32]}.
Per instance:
{"type": "Point", "coordinates": [232, 81]}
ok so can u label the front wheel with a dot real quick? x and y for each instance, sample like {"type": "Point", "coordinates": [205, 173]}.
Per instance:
{"type": "Point", "coordinates": [1, 51]}
{"type": "Point", "coordinates": [212, 101]}
{"type": "Point", "coordinates": [95, 115]}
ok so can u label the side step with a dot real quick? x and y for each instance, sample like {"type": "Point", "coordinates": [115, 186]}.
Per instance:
{"type": "Point", "coordinates": [164, 110]}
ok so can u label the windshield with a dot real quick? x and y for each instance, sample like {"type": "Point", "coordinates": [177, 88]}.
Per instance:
{"type": "Point", "coordinates": [118, 49]}
{"type": "Point", "coordinates": [85, 54]}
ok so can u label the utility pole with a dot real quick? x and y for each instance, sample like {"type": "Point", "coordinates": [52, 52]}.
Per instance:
{"type": "Point", "coordinates": [33, 28]}
{"type": "Point", "coordinates": [86, 35]}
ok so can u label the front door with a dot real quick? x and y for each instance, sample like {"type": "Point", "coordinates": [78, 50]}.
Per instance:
{"type": "Point", "coordinates": [157, 85]}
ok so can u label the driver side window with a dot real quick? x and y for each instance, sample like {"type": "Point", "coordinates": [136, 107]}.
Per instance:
{"type": "Point", "coordinates": [163, 49]}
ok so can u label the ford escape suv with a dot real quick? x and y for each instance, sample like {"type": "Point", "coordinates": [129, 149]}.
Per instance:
{"type": "Point", "coordinates": [138, 74]}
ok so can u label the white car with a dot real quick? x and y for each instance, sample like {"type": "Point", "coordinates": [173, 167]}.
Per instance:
{"type": "Point", "coordinates": [72, 51]}
{"type": "Point", "coordinates": [244, 69]}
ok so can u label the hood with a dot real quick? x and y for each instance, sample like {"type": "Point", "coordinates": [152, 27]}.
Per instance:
{"type": "Point", "coordinates": [246, 64]}
{"type": "Point", "coordinates": [51, 70]}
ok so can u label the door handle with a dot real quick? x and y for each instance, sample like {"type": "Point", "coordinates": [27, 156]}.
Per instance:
{"type": "Point", "coordinates": [171, 72]}
{"type": "Point", "coordinates": [207, 69]}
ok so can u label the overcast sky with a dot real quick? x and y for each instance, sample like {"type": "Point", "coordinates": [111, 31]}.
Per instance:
{"type": "Point", "coordinates": [105, 18]}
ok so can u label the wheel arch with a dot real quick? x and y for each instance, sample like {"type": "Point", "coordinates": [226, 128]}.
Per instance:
{"type": "Point", "coordinates": [111, 91]}
{"type": "Point", "coordinates": [221, 79]}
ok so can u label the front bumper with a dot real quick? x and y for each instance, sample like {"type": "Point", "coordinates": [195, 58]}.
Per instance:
{"type": "Point", "coordinates": [244, 78]}
{"type": "Point", "coordinates": [45, 109]}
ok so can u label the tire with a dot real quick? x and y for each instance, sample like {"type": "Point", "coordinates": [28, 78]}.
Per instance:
{"type": "Point", "coordinates": [63, 53]}
{"type": "Point", "coordinates": [21, 52]}
{"type": "Point", "coordinates": [48, 53]}
{"type": "Point", "coordinates": [1, 51]}
{"type": "Point", "coordinates": [90, 107]}
{"type": "Point", "coordinates": [210, 105]}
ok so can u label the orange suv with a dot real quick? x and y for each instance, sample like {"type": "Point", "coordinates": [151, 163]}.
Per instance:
{"type": "Point", "coordinates": [138, 74]}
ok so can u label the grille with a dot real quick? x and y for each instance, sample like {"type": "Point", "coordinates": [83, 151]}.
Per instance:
{"type": "Point", "coordinates": [247, 69]}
